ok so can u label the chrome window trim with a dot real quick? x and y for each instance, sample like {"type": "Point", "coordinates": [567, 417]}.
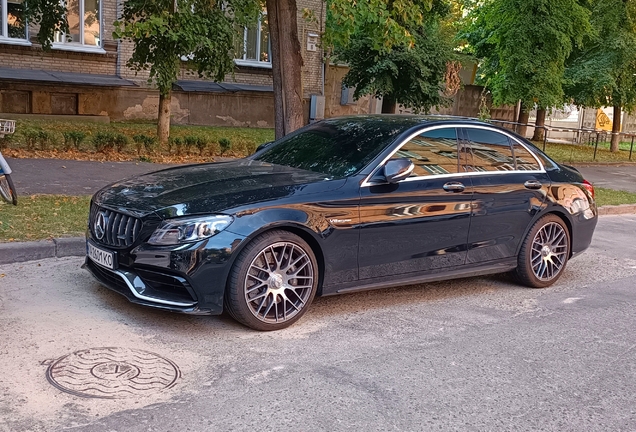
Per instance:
{"type": "Point", "coordinates": [367, 181]}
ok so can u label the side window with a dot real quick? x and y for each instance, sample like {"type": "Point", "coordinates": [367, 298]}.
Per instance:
{"type": "Point", "coordinates": [525, 160]}
{"type": "Point", "coordinates": [432, 152]}
{"type": "Point", "coordinates": [490, 151]}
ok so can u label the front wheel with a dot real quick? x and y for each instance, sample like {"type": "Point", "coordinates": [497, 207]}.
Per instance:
{"type": "Point", "coordinates": [544, 253]}
{"type": "Point", "coordinates": [272, 282]}
{"type": "Point", "coordinates": [7, 189]}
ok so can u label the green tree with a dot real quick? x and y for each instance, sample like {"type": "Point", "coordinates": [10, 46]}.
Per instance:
{"type": "Point", "coordinates": [412, 76]}
{"type": "Point", "coordinates": [523, 46]}
{"type": "Point", "coordinates": [49, 15]}
{"type": "Point", "coordinates": [601, 72]}
{"type": "Point", "coordinates": [166, 32]}
{"type": "Point", "coordinates": [395, 50]}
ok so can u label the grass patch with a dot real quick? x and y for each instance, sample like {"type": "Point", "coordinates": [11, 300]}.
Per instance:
{"type": "Point", "coordinates": [573, 153]}
{"type": "Point", "coordinates": [40, 217]}
{"type": "Point", "coordinates": [613, 197]}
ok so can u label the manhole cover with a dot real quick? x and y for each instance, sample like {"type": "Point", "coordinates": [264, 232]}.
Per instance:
{"type": "Point", "coordinates": [112, 373]}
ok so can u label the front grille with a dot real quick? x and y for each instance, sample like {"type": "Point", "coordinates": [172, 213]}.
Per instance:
{"type": "Point", "coordinates": [120, 230]}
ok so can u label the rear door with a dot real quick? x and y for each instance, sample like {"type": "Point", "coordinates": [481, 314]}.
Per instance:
{"type": "Point", "coordinates": [419, 224]}
{"type": "Point", "coordinates": [510, 186]}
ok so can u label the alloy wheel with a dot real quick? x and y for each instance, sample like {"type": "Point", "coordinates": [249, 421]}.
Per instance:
{"type": "Point", "coordinates": [279, 282]}
{"type": "Point", "coordinates": [549, 251]}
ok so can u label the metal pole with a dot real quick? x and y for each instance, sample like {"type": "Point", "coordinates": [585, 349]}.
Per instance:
{"type": "Point", "coordinates": [631, 148]}
{"type": "Point", "coordinates": [545, 136]}
{"type": "Point", "coordinates": [596, 146]}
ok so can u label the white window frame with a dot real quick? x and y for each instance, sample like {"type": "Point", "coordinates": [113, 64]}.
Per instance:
{"type": "Point", "coordinates": [79, 46]}
{"type": "Point", "coordinates": [4, 31]}
{"type": "Point", "coordinates": [368, 180]}
{"type": "Point", "coordinates": [255, 63]}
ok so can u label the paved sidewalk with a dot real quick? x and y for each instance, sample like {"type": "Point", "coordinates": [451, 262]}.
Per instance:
{"type": "Point", "coordinates": [611, 177]}
{"type": "Point", "coordinates": [69, 177]}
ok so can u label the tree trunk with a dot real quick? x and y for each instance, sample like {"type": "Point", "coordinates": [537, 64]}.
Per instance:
{"type": "Point", "coordinates": [616, 129]}
{"type": "Point", "coordinates": [539, 132]}
{"type": "Point", "coordinates": [163, 123]}
{"type": "Point", "coordinates": [388, 104]}
{"type": "Point", "coordinates": [289, 62]}
{"type": "Point", "coordinates": [523, 118]}
{"type": "Point", "coordinates": [277, 73]}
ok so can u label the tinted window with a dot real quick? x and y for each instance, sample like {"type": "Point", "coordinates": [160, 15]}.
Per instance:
{"type": "Point", "coordinates": [524, 159]}
{"type": "Point", "coordinates": [336, 148]}
{"type": "Point", "coordinates": [490, 151]}
{"type": "Point", "coordinates": [432, 152]}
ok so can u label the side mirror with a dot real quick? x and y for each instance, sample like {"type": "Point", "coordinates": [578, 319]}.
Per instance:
{"type": "Point", "coordinates": [398, 169]}
{"type": "Point", "coordinates": [264, 145]}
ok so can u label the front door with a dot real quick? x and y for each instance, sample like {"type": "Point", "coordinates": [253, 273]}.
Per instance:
{"type": "Point", "coordinates": [419, 224]}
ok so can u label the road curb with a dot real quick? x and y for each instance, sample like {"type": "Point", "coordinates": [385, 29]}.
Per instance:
{"type": "Point", "coordinates": [622, 209]}
{"type": "Point", "coordinates": [16, 252]}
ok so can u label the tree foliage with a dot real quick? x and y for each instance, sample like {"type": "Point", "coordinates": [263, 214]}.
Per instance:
{"type": "Point", "coordinates": [384, 23]}
{"type": "Point", "coordinates": [50, 15]}
{"type": "Point", "coordinates": [523, 46]}
{"type": "Point", "coordinates": [601, 72]}
{"type": "Point", "coordinates": [166, 31]}
{"type": "Point", "coordinates": [403, 60]}
{"type": "Point", "coordinates": [412, 76]}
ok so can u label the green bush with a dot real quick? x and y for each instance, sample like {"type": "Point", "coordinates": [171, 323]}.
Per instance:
{"type": "Point", "coordinates": [104, 141]}
{"type": "Point", "coordinates": [177, 143]}
{"type": "Point", "coordinates": [46, 139]}
{"type": "Point", "coordinates": [190, 142]}
{"type": "Point", "coordinates": [120, 141]}
{"type": "Point", "coordinates": [144, 141]}
{"type": "Point", "coordinates": [73, 139]}
{"type": "Point", "coordinates": [31, 137]}
{"type": "Point", "coordinates": [5, 141]}
{"type": "Point", "coordinates": [225, 144]}
{"type": "Point", "coordinates": [202, 145]}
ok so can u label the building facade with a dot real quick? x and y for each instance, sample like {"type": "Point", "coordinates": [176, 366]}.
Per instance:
{"type": "Point", "coordinates": [85, 72]}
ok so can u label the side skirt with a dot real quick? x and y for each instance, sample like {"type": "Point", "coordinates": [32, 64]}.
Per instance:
{"type": "Point", "coordinates": [393, 281]}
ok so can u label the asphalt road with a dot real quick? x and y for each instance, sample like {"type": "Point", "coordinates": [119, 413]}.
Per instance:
{"type": "Point", "coordinates": [479, 354]}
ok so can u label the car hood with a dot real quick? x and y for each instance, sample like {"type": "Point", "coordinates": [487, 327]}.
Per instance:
{"type": "Point", "coordinates": [208, 188]}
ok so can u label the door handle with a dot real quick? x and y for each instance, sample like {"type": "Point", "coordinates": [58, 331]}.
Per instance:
{"type": "Point", "coordinates": [454, 187]}
{"type": "Point", "coordinates": [532, 184]}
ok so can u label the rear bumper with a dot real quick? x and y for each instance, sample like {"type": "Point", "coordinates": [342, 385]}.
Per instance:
{"type": "Point", "coordinates": [582, 233]}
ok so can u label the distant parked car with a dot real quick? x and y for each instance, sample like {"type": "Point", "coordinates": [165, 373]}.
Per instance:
{"type": "Point", "coordinates": [345, 204]}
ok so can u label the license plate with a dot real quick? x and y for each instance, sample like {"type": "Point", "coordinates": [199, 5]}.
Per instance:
{"type": "Point", "coordinates": [100, 256]}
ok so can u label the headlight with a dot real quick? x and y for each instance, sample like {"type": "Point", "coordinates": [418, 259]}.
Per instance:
{"type": "Point", "coordinates": [177, 231]}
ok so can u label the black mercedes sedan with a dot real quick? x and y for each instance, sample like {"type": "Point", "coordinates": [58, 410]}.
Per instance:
{"type": "Point", "coordinates": [345, 204]}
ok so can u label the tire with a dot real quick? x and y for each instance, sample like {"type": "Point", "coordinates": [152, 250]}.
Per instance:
{"type": "Point", "coordinates": [7, 189]}
{"type": "Point", "coordinates": [272, 282]}
{"type": "Point", "coordinates": [544, 253]}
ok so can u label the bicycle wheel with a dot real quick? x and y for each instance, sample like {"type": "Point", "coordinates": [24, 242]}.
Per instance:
{"type": "Point", "coordinates": [7, 189]}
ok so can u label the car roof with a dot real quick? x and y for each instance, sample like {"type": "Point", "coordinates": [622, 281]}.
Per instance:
{"type": "Point", "coordinates": [407, 120]}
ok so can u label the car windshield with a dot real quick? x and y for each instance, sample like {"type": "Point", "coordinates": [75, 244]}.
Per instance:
{"type": "Point", "coordinates": [335, 147]}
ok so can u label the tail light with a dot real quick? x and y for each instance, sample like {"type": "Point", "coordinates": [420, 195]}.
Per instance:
{"type": "Point", "coordinates": [590, 188]}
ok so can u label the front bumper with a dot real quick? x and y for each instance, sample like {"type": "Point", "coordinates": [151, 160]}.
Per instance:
{"type": "Point", "coordinates": [185, 278]}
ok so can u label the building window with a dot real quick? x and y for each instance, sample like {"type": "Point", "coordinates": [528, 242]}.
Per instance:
{"type": "Point", "coordinates": [84, 24]}
{"type": "Point", "coordinates": [12, 24]}
{"type": "Point", "coordinates": [254, 47]}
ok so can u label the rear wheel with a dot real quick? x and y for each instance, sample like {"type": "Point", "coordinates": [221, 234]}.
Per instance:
{"type": "Point", "coordinates": [7, 189]}
{"type": "Point", "coordinates": [544, 253]}
{"type": "Point", "coordinates": [272, 282]}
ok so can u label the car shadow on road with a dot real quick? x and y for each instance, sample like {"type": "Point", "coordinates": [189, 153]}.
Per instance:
{"type": "Point", "coordinates": [323, 309]}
